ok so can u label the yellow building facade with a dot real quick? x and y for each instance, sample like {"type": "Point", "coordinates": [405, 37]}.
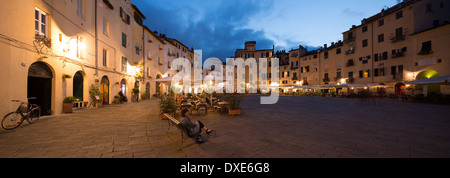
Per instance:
{"type": "Point", "coordinates": [399, 44]}
{"type": "Point", "coordinates": [53, 49]}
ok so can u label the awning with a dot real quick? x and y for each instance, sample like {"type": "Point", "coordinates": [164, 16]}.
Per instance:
{"type": "Point", "coordinates": [444, 80]}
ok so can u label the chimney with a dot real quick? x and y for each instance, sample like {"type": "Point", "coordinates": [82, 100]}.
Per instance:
{"type": "Point", "coordinates": [325, 46]}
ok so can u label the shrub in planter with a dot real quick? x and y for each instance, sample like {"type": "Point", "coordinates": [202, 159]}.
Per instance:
{"type": "Point", "coordinates": [234, 102]}
{"type": "Point", "coordinates": [68, 104]}
{"type": "Point", "coordinates": [94, 92]}
{"type": "Point", "coordinates": [116, 99]}
{"type": "Point", "coordinates": [145, 95]}
{"type": "Point", "coordinates": [167, 106]}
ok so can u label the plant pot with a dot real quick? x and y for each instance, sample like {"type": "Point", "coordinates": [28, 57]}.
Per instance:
{"type": "Point", "coordinates": [161, 115]}
{"type": "Point", "coordinates": [143, 98]}
{"type": "Point", "coordinates": [117, 100]}
{"type": "Point", "coordinates": [233, 112]}
{"type": "Point", "coordinates": [68, 107]}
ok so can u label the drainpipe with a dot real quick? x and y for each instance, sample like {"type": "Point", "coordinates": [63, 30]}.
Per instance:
{"type": "Point", "coordinates": [96, 40]}
{"type": "Point", "coordinates": [372, 71]}
{"type": "Point", "coordinates": [143, 56]}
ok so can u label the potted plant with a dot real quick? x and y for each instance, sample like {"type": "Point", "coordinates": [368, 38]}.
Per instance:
{"type": "Point", "coordinates": [135, 94]}
{"type": "Point", "coordinates": [167, 106]}
{"type": "Point", "coordinates": [155, 96]}
{"type": "Point", "coordinates": [234, 102]}
{"type": "Point", "coordinates": [116, 99]}
{"type": "Point", "coordinates": [68, 104]}
{"type": "Point", "coordinates": [145, 95]}
{"type": "Point", "coordinates": [94, 95]}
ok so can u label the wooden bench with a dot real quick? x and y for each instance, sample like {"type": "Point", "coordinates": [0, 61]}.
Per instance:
{"type": "Point", "coordinates": [172, 121]}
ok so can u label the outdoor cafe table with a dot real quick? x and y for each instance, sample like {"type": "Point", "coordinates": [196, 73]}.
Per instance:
{"type": "Point", "coordinates": [223, 105]}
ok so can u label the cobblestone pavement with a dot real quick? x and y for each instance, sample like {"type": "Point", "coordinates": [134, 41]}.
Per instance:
{"type": "Point", "coordinates": [296, 127]}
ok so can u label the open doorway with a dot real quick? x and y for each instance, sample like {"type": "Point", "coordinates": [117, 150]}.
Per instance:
{"type": "Point", "coordinates": [40, 78]}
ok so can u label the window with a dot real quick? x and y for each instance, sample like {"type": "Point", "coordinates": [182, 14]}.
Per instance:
{"type": "Point", "coordinates": [436, 23]}
{"type": "Point", "coordinates": [138, 19]}
{"type": "Point", "coordinates": [125, 17]}
{"type": "Point", "coordinates": [338, 51]}
{"type": "Point", "coordinates": [80, 8]}
{"type": "Point", "coordinates": [366, 73]}
{"type": "Point", "coordinates": [40, 24]}
{"type": "Point", "coordinates": [426, 48]}
{"type": "Point", "coordinates": [428, 8]}
{"type": "Point", "coordinates": [365, 43]}
{"type": "Point", "coordinates": [124, 40]}
{"type": "Point", "coordinates": [381, 22]}
{"type": "Point", "coordinates": [137, 49]}
{"type": "Point", "coordinates": [364, 29]}
{"type": "Point", "coordinates": [105, 57]}
{"type": "Point", "coordinates": [326, 55]}
{"type": "Point", "coordinates": [350, 75]}
{"type": "Point", "coordinates": [124, 64]}
{"type": "Point", "coordinates": [399, 32]}
{"type": "Point", "coordinates": [381, 38]}
{"type": "Point", "coordinates": [399, 14]}
{"type": "Point", "coordinates": [106, 27]}
{"type": "Point", "coordinates": [81, 47]}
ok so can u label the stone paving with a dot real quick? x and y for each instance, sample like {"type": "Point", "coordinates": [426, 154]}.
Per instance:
{"type": "Point", "coordinates": [296, 127]}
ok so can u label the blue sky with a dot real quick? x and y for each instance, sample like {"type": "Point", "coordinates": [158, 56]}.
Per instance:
{"type": "Point", "coordinates": [219, 27]}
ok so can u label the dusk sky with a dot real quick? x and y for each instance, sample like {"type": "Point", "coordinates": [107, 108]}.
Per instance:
{"type": "Point", "coordinates": [219, 27]}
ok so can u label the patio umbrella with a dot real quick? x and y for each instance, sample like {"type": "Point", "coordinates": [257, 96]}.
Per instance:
{"type": "Point", "coordinates": [376, 86]}
{"type": "Point", "coordinates": [288, 86]}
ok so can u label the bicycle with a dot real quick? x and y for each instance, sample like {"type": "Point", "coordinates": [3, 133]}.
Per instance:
{"type": "Point", "coordinates": [30, 112]}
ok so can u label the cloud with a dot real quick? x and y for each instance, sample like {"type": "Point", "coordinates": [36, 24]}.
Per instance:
{"type": "Point", "coordinates": [216, 27]}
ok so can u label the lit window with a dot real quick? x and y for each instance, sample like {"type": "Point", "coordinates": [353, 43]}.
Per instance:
{"type": "Point", "coordinates": [81, 47]}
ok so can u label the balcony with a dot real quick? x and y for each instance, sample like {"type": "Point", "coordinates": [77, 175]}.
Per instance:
{"type": "Point", "coordinates": [348, 40]}
{"type": "Point", "coordinates": [326, 80]}
{"type": "Point", "coordinates": [398, 38]}
{"type": "Point", "coordinates": [398, 54]}
{"type": "Point", "coordinates": [350, 51]}
{"type": "Point", "coordinates": [350, 80]}
{"type": "Point", "coordinates": [294, 67]}
{"type": "Point", "coordinates": [295, 78]}
{"type": "Point", "coordinates": [350, 63]}
{"type": "Point", "coordinates": [426, 52]}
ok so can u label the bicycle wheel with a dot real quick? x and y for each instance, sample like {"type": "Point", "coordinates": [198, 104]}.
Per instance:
{"type": "Point", "coordinates": [12, 121]}
{"type": "Point", "coordinates": [34, 115]}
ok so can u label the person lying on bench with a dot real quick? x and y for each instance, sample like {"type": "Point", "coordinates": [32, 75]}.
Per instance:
{"type": "Point", "coordinates": [193, 128]}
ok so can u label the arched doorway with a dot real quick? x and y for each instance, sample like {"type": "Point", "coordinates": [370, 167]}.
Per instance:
{"type": "Point", "coordinates": [104, 89]}
{"type": "Point", "coordinates": [40, 78]}
{"type": "Point", "coordinates": [432, 88]}
{"type": "Point", "coordinates": [400, 89]}
{"type": "Point", "coordinates": [78, 86]}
